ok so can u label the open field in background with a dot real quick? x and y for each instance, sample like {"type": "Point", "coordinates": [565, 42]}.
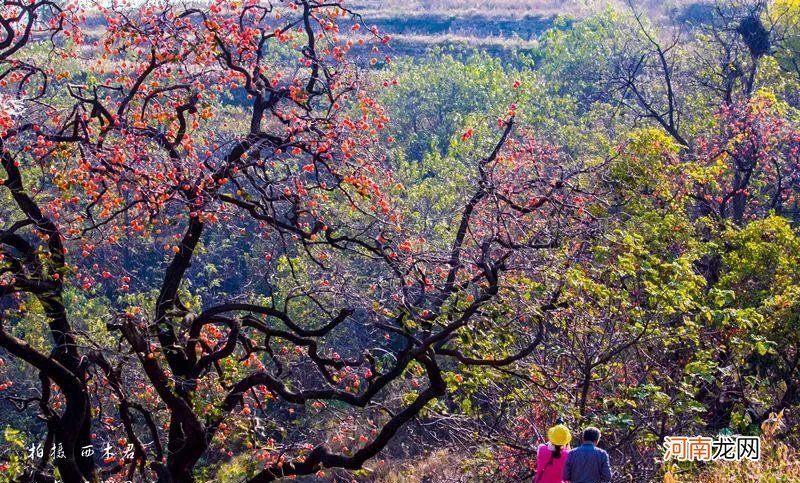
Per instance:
{"type": "Point", "coordinates": [516, 8]}
{"type": "Point", "coordinates": [496, 8]}
{"type": "Point", "coordinates": [495, 25]}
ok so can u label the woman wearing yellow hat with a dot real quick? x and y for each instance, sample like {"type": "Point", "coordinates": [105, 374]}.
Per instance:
{"type": "Point", "coordinates": [551, 456]}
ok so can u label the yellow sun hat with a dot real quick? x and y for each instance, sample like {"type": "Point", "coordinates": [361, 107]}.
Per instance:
{"type": "Point", "coordinates": [559, 435]}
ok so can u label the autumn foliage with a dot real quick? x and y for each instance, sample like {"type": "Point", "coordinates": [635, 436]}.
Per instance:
{"type": "Point", "coordinates": [226, 254]}
{"type": "Point", "coordinates": [193, 131]}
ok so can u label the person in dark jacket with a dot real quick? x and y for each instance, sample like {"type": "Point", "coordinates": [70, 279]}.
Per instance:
{"type": "Point", "coordinates": [587, 463]}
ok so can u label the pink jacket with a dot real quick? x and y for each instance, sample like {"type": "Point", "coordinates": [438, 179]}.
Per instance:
{"type": "Point", "coordinates": [549, 469]}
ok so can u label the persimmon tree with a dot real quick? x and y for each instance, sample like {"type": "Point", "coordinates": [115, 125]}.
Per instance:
{"type": "Point", "coordinates": [239, 134]}
{"type": "Point", "coordinates": [749, 166]}
{"type": "Point", "coordinates": [32, 249]}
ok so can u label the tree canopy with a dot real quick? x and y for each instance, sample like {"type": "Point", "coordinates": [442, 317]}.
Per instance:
{"type": "Point", "coordinates": [242, 241]}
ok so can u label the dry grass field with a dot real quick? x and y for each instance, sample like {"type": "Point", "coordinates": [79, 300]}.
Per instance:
{"type": "Point", "coordinates": [514, 8]}
{"type": "Point", "coordinates": [494, 25]}
{"type": "Point", "coordinates": [503, 8]}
